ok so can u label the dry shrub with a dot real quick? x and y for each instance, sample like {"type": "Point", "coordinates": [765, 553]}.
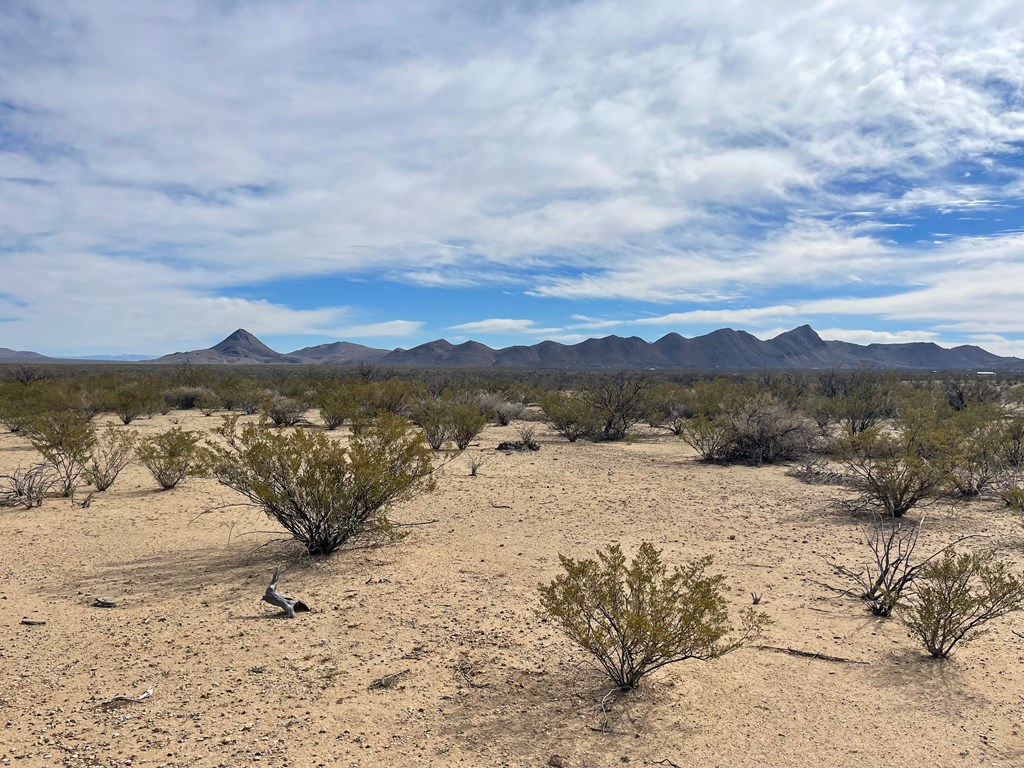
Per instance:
{"type": "Point", "coordinates": [27, 487]}
{"type": "Point", "coordinates": [284, 411]}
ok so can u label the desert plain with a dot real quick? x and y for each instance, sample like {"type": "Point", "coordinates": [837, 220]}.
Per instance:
{"type": "Point", "coordinates": [432, 651]}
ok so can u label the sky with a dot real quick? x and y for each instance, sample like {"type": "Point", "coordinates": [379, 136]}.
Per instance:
{"type": "Point", "coordinates": [390, 173]}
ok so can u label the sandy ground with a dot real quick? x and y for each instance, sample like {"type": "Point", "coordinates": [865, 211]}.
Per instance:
{"type": "Point", "coordinates": [483, 679]}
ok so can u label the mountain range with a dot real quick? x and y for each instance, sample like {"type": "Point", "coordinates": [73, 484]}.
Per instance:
{"type": "Point", "coordinates": [724, 349]}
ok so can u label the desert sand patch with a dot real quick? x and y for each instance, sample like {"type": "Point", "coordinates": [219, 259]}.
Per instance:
{"type": "Point", "coordinates": [448, 619]}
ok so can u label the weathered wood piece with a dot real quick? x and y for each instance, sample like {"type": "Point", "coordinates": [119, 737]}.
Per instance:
{"type": "Point", "coordinates": [287, 604]}
{"type": "Point", "coordinates": [121, 699]}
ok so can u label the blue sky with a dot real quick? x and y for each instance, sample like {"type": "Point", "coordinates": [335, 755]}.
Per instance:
{"type": "Point", "coordinates": [391, 173]}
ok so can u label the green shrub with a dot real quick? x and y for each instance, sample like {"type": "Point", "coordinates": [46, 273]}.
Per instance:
{"type": "Point", "coordinates": [323, 494]}
{"type": "Point", "coordinates": [337, 402]}
{"type": "Point", "coordinates": [859, 399]}
{"type": "Point", "coordinates": [113, 452]}
{"type": "Point", "coordinates": [638, 618]}
{"type": "Point", "coordinates": [134, 398]}
{"type": "Point", "coordinates": [972, 452]}
{"type": "Point", "coordinates": [465, 422]}
{"type": "Point", "coordinates": [208, 403]}
{"type": "Point", "coordinates": [173, 456]}
{"type": "Point", "coordinates": [895, 475]}
{"type": "Point", "coordinates": [66, 439]}
{"type": "Point", "coordinates": [432, 417]}
{"type": "Point", "coordinates": [568, 414]}
{"type": "Point", "coordinates": [957, 595]}
{"type": "Point", "coordinates": [185, 398]}
{"type": "Point", "coordinates": [708, 436]}
{"type": "Point", "coordinates": [617, 403]}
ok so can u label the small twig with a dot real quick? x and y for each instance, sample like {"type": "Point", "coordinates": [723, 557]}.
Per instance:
{"type": "Point", "coordinates": [810, 654]}
{"type": "Point", "coordinates": [500, 506]}
{"type": "Point", "coordinates": [417, 522]}
{"type": "Point", "coordinates": [387, 682]}
{"type": "Point", "coordinates": [667, 762]}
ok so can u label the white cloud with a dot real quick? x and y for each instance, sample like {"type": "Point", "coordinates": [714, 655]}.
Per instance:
{"type": "Point", "coordinates": [877, 337]}
{"type": "Point", "coordinates": [497, 325]}
{"type": "Point", "coordinates": [655, 151]}
{"type": "Point", "coordinates": [386, 328]}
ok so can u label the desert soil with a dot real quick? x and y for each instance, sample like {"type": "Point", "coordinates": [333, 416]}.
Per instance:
{"type": "Point", "coordinates": [479, 678]}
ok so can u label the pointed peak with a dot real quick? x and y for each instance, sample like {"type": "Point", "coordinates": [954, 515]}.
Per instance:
{"type": "Point", "coordinates": [801, 332]}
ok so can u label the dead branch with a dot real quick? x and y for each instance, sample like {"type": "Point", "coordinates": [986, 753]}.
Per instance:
{"type": "Point", "coordinates": [810, 654]}
{"type": "Point", "coordinates": [417, 522]}
{"type": "Point", "coordinates": [287, 604]}
{"type": "Point", "coordinates": [121, 699]}
{"type": "Point", "coordinates": [388, 681]}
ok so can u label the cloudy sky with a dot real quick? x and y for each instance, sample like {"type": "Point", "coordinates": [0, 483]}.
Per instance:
{"type": "Point", "coordinates": [395, 172]}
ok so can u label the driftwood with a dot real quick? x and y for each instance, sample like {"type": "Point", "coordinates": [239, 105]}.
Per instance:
{"type": "Point", "coordinates": [33, 622]}
{"type": "Point", "coordinates": [104, 602]}
{"type": "Point", "coordinates": [287, 604]}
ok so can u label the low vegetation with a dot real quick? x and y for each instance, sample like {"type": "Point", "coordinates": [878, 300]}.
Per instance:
{"type": "Point", "coordinates": [323, 494]}
{"type": "Point", "coordinates": [636, 618]}
{"type": "Point", "coordinates": [174, 456]}
{"type": "Point", "coordinates": [957, 595]}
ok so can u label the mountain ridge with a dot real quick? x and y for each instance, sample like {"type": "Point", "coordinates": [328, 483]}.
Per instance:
{"type": "Point", "coordinates": [724, 349]}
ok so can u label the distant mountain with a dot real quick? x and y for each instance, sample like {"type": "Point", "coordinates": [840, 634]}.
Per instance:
{"type": "Point", "coordinates": [240, 348]}
{"type": "Point", "coordinates": [14, 356]}
{"type": "Point", "coordinates": [724, 349]}
{"type": "Point", "coordinates": [468, 354]}
{"type": "Point", "coordinates": [339, 353]}
{"type": "Point", "coordinates": [114, 358]}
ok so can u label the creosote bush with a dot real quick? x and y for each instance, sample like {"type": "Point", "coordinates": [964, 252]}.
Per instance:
{"type": "Point", "coordinates": [636, 618]}
{"type": "Point", "coordinates": [896, 473]}
{"type": "Point", "coordinates": [173, 456]}
{"type": "Point", "coordinates": [66, 439]}
{"type": "Point", "coordinates": [323, 494]}
{"type": "Point", "coordinates": [617, 403]}
{"type": "Point", "coordinates": [958, 594]}
{"type": "Point", "coordinates": [113, 451]}
{"type": "Point", "coordinates": [465, 423]}
{"type": "Point", "coordinates": [284, 411]}
{"type": "Point", "coordinates": [568, 415]}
